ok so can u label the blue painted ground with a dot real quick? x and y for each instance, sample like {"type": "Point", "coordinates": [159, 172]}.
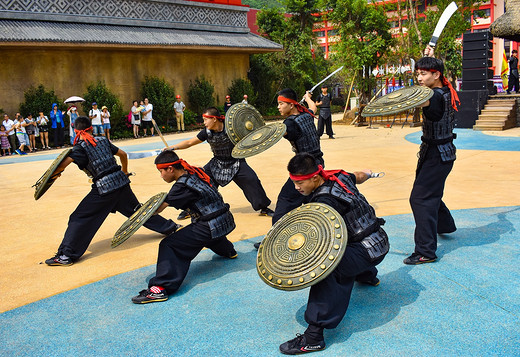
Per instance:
{"type": "Point", "coordinates": [468, 139]}
{"type": "Point", "coordinates": [466, 304]}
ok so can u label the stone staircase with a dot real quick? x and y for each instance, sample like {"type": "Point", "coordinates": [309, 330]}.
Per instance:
{"type": "Point", "coordinates": [498, 114]}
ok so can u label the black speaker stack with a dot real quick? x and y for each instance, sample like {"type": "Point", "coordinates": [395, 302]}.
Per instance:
{"type": "Point", "coordinates": [477, 76]}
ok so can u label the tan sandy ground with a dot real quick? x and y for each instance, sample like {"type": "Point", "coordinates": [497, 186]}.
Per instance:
{"type": "Point", "coordinates": [32, 230]}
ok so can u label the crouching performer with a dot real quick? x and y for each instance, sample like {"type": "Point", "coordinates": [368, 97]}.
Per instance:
{"type": "Point", "coordinates": [366, 247]}
{"type": "Point", "coordinates": [211, 221]}
{"type": "Point", "coordinates": [110, 192]}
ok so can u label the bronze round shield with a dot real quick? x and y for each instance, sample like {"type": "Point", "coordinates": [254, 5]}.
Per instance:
{"type": "Point", "coordinates": [302, 248]}
{"type": "Point", "coordinates": [259, 140]}
{"type": "Point", "coordinates": [46, 181]}
{"type": "Point", "coordinates": [398, 101]}
{"type": "Point", "coordinates": [136, 220]}
{"type": "Point", "coordinates": [242, 119]}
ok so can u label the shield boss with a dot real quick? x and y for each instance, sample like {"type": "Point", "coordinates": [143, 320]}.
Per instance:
{"type": "Point", "coordinates": [259, 140]}
{"type": "Point", "coordinates": [398, 101]}
{"type": "Point", "coordinates": [302, 248]}
{"type": "Point", "coordinates": [241, 119]}
{"type": "Point", "coordinates": [135, 221]}
{"type": "Point", "coordinates": [45, 182]}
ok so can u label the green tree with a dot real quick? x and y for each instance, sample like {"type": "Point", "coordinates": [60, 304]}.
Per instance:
{"type": "Point", "coordinates": [38, 99]}
{"type": "Point", "coordinates": [238, 88]}
{"type": "Point", "coordinates": [365, 37]}
{"type": "Point", "coordinates": [200, 94]}
{"type": "Point", "coordinates": [448, 48]}
{"type": "Point", "coordinates": [295, 66]}
{"type": "Point", "coordinates": [103, 96]}
{"type": "Point", "coordinates": [162, 96]}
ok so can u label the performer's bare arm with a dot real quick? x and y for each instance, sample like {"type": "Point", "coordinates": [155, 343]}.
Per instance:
{"type": "Point", "coordinates": [161, 207]}
{"type": "Point", "coordinates": [124, 160]}
{"type": "Point", "coordinates": [362, 176]}
{"type": "Point", "coordinates": [61, 168]}
{"type": "Point", "coordinates": [310, 102]}
{"type": "Point", "coordinates": [184, 144]}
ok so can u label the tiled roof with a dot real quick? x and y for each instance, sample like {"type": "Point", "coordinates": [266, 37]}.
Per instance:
{"type": "Point", "coordinates": [43, 31]}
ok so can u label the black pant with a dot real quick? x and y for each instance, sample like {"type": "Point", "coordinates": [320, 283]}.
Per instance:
{"type": "Point", "coordinates": [250, 184]}
{"type": "Point", "coordinates": [177, 250]}
{"type": "Point", "coordinates": [513, 82]}
{"type": "Point", "coordinates": [430, 213]}
{"type": "Point", "coordinates": [288, 199]}
{"type": "Point", "coordinates": [92, 211]}
{"type": "Point", "coordinates": [329, 299]}
{"type": "Point", "coordinates": [325, 120]}
{"type": "Point", "coordinates": [58, 136]}
{"type": "Point", "coordinates": [12, 141]}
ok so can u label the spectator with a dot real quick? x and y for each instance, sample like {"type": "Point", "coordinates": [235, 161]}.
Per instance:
{"type": "Point", "coordinates": [73, 115]}
{"type": "Point", "coordinates": [227, 103]}
{"type": "Point", "coordinates": [245, 99]}
{"type": "Point", "coordinates": [43, 127]}
{"type": "Point", "coordinates": [4, 141]}
{"type": "Point", "coordinates": [179, 113]}
{"type": "Point", "coordinates": [31, 131]}
{"type": "Point", "coordinates": [147, 116]}
{"type": "Point", "coordinates": [10, 130]}
{"type": "Point", "coordinates": [105, 114]}
{"type": "Point", "coordinates": [136, 118]}
{"type": "Point", "coordinates": [56, 116]}
{"type": "Point", "coordinates": [95, 116]}
{"type": "Point", "coordinates": [21, 135]}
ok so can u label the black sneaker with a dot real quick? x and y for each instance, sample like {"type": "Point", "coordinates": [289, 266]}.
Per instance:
{"type": "Point", "coordinates": [183, 215]}
{"type": "Point", "coordinates": [331, 137]}
{"type": "Point", "coordinates": [59, 260]}
{"type": "Point", "coordinates": [374, 282]}
{"type": "Point", "coordinates": [233, 255]}
{"type": "Point", "coordinates": [153, 294]}
{"type": "Point", "coordinates": [299, 345]}
{"type": "Point", "coordinates": [257, 245]}
{"type": "Point", "coordinates": [266, 212]}
{"type": "Point", "coordinates": [416, 259]}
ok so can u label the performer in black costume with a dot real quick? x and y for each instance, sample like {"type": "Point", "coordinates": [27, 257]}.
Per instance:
{"type": "Point", "coordinates": [224, 168]}
{"type": "Point", "coordinates": [110, 192]}
{"type": "Point", "coordinates": [325, 119]}
{"type": "Point", "coordinates": [211, 221]}
{"type": "Point", "coordinates": [302, 134]}
{"type": "Point", "coordinates": [513, 72]}
{"type": "Point", "coordinates": [367, 246]}
{"type": "Point", "coordinates": [436, 157]}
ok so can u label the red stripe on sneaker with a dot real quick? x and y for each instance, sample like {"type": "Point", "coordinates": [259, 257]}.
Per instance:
{"type": "Point", "coordinates": [156, 289]}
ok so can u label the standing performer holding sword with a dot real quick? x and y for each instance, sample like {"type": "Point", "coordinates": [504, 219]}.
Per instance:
{"type": "Point", "coordinates": [436, 154]}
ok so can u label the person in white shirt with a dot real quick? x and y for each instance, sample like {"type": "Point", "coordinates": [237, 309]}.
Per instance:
{"type": "Point", "coordinates": [245, 99]}
{"type": "Point", "coordinates": [179, 113]}
{"type": "Point", "coordinates": [95, 116]}
{"type": "Point", "coordinates": [9, 128]}
{"type": "Point", "coordinates": [147, 116]}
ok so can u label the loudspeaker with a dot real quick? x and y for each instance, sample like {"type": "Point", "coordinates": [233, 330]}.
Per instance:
{"type": "Point", "coordinates": [477, 45]}
{"type": "Point", "coordinates": [471, 103]}
{"type": "Point", "coordinates": [477, 74]}
{"type": "Point", "coordinates": [476, 63]}
{"type": "Point", "coordinates": [476, 54]}
{"type": "Point", "coordinates": [477, 36]}
{"type": "Point", "coordinates": [486, 85]}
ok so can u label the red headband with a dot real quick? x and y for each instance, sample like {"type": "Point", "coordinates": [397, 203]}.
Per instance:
{"type": "Point", "coordinates": [326, 174]}
{"type": "Point", "coordinates": [219, 117]}
{"type": "Point", "coordinates": [84, 135]}
{"type": "Point", "coordinates": [445, 82]}
{"type": "Point", "coordinates": [298, 106]}
{"type": "Point", "coordinates": [191, 169]}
